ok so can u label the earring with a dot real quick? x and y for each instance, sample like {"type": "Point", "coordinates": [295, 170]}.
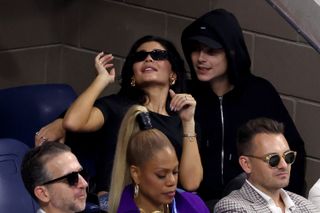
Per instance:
{"type": "Point", "coordinates": [172, 80]}
{"type": "Point", "coordinates": [136, 190]}
{"type": "Point", "coordinates": [133, 82]}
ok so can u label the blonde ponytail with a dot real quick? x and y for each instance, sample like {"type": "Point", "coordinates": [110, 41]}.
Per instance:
{"type": "Point", "coordinates": [120, 171]}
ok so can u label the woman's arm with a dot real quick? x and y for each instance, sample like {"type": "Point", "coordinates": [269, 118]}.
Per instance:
{"type": "Point", "coordinates": [190, 170]}
{"type": "Point", "coordinates": [82, 115]}
{"type": "Point", "coordinates": [53, 131]}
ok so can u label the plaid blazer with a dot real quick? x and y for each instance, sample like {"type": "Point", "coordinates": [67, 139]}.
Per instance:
{"type": "Point", "coordinates": [248, 200]}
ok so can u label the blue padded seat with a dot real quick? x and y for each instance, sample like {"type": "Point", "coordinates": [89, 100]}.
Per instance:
{"type": "Point", "coordinates": [25, 109]}
{"type": "Point", "coordinates": [14, 198]}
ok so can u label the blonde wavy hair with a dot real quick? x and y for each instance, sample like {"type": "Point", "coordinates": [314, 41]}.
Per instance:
{"type": "Point", "coordinates": [134, 147]}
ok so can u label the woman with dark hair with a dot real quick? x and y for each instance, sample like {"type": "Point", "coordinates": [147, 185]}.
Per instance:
{"type": "Point", "coordinates": [174, 59]}
{"type": "Point", "coordinates": [152, 73]}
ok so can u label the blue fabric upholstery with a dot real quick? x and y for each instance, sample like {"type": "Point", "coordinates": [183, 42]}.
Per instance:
{"type": "Point", "coordinates": [25, 109]}
{"type": "Point", "coordinates": [14, 198]}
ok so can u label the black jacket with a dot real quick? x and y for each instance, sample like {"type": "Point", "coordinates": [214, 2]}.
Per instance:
{"type": "Point", "coordinates": [220, 117]}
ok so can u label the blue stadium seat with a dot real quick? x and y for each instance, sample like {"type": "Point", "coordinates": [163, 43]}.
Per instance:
{"type": "Point", "coordinates": [25, 109]}
{"type": "Point", "coordinates": [14, 198]}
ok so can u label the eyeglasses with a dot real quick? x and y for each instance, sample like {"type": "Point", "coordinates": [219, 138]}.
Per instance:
{"type": "Point", "coordinates": [157, 55]}
{"type": "Point", "coordinates": [274, 159]}
{"type": "Point", "coordinates": [72, 178]}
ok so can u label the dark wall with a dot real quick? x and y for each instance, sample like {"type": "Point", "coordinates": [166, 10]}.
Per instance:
{"type": "Point", "coordinates": [44, 41]}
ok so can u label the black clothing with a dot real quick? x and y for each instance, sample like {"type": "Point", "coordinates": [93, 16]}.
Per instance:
{"type": "Point", "coordinates": [219, 117]}
{"type": "Point", "coordinates": [226, 30]}
{"type": "Point", "coordinates": [113, 109]}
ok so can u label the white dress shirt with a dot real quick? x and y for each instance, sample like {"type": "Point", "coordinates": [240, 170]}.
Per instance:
{"type": "Point", "coordinates": [41, 211]}
{"type": "Point", "coordinates": [289, 204]}
{"type": "Point", "coordinates": [314, 194]}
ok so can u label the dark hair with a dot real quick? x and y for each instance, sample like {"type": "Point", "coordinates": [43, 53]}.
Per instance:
{"type": "Point", "coordinates": [33, 170]}
{"type": "Point", "coordinates": [175, 60]}
{"type": "Point", "coordinates": [253, 127]}
{"type": "Point", "coordinates": [224, 28]}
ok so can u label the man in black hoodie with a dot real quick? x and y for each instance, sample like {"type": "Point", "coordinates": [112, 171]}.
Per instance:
{"type": "Point", "coordinates": [228, 95]}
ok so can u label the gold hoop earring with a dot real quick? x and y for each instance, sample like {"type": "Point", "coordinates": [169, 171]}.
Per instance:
{"type": "Point", "coordinates": [136, 190]}
{"type": "Point", "coordinates": [172, 80]}
{"type": "Point", "coordinates": [133, 82]}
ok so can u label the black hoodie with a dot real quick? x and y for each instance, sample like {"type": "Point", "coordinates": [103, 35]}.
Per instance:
{"type": "Point", "coordinates": [220, 117]}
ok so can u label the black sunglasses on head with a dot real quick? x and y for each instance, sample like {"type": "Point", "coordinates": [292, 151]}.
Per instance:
{"type": "Point", "coordinates": [274, 159]}
{"type": "Point", "coordinates": [156, 55]}
{"type": "Point", "coordinates": [72, 178]}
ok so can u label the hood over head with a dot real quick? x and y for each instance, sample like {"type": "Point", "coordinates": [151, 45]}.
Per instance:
{"type": "Point", "coordinates": [219, 29]}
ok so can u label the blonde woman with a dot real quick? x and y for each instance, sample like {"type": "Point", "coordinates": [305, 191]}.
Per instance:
{"type": "Point", "coordinates": [145, 170]}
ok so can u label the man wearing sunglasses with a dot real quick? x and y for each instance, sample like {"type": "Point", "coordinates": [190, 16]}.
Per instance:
{"type": "Point", "coordinates": [266, 158]}
{"type": "Point", "coordinates": [51, 174]}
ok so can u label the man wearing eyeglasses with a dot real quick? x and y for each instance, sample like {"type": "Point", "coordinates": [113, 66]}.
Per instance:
{"type": "Point", "coordinates": [266, 158]}
{"type": "Point", "coordinates": [51, 174]}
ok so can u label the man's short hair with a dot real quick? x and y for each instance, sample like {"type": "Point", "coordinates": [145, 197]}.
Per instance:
{"type": "Point", "coordinates": [253, 127]}
{"type": "Point", "coordinates": [33, 170]}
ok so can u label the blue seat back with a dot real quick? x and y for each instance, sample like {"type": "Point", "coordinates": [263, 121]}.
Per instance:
{"type": "Point", "coordinates": [25, 109]}
{"type": "Point", "coordinates": [14, 198]}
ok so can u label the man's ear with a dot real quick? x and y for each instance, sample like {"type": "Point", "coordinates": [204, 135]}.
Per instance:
{"type": "Point", "coordinates": [245, 164]}
{"type": "Point", "coordinates": [41, 192]}
{"type": "Point", "coordinates": [135, 174]}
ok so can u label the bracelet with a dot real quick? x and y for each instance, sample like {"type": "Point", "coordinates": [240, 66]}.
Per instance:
{"type": "Point", "coordinates": [190, 137]}
{"type": "Point", "coordinates": [186, 135]}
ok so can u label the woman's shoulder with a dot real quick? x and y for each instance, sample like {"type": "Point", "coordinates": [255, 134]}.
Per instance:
{"type": "Point", "coordinates": [190, 202]}
{"type": "Point", "coordinates": [127, 203]}
{"type": "Point", "coordinates": [114, 97]}
{"type": "Point", "coordinates": [115, 101]}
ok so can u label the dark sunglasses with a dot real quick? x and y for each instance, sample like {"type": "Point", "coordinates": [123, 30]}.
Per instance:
{"type": "Point", "coordinates": [156, 55]}
{"type": "Point", "coordinates": [72, 178]}
{"type": "Point", "coordinates": [274, 159]}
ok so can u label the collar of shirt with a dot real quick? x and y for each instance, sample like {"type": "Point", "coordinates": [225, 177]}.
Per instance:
{"type": "Point", "coordinates": [289, 204]}
{"type": "Point", "coordinates": [41, 211]}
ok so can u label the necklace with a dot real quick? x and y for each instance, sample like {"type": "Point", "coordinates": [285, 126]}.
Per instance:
{"type": "Point", "coordinates": [156, 211]}
{"type": "Point", "coordinates": [165, 210]}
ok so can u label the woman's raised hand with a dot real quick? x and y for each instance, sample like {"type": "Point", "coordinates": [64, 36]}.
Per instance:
{"type": "Point", "coordinates": [104, 67]}
{"type": "Point", "coordinates": [183, 103]}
